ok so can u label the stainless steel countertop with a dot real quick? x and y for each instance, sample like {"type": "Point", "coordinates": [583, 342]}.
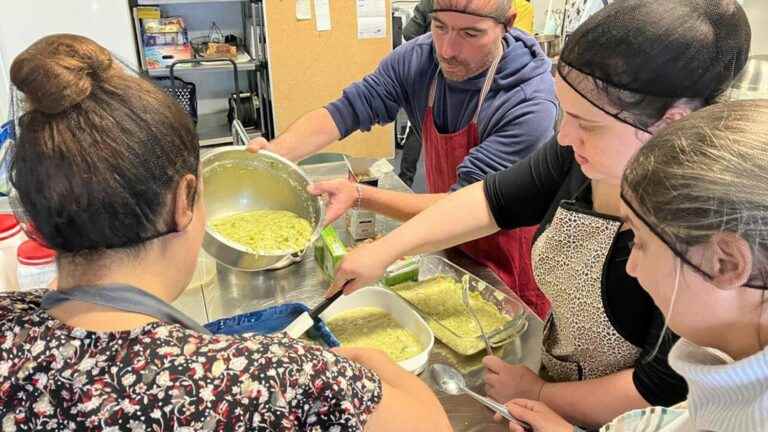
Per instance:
{"type": "Point", "coordinates": [234, 292]}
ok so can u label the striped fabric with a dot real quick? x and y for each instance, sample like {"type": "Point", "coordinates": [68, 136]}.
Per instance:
{"type": "Point", "coordinates": [724, 396]}
{"type": "Point", "coordinates": [656, 419]}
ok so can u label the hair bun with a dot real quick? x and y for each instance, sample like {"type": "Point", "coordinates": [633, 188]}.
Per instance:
{"type": "Point", "coordinates": [59, 71]}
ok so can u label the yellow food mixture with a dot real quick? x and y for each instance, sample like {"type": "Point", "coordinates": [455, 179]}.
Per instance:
{"type": "Point", "coordinates": [440, 299]}
{"type": "Point", "coordinates": [370, 327]}
{"type": "Point", "coordinates": [264, 231]}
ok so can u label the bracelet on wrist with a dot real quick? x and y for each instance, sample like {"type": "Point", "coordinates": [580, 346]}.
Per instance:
{"type": "Point", "coordinates": [359, 200]}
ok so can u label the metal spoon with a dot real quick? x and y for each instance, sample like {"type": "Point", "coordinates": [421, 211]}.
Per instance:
{"type": "Point", "coordinates": [465, 299]}
{"type": "Point", "coordinates": [450, 381]}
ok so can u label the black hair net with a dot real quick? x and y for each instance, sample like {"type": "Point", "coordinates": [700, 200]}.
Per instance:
{"type": "Point", "coordinates": [635, 58]}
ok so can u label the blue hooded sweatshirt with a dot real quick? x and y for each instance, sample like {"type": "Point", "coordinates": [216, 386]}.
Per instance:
{"type": "Point", "coordinates": [517, 116]}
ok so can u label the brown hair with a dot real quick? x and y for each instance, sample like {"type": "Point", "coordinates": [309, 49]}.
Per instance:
{"type": "Point", "coordinates": [100, 152]}
{"type": "Point", "coordinates": [705, 174]}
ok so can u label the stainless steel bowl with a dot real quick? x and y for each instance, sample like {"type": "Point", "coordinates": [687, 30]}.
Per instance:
{"type": "Point", "coordinates": [235, 181]}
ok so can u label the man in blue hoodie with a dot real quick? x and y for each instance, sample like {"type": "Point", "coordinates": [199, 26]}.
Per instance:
{"type": "Point", "coordinates": [480, 95]}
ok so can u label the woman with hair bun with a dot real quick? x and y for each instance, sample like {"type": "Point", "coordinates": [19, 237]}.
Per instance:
{"type": "Point", "coordinates": [106, 168]}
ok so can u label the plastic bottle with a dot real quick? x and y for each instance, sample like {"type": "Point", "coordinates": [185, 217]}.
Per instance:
{"type": "Point", "coordinates": [36, 266]}
{"type": "Point", "coordinates": [11, 237]}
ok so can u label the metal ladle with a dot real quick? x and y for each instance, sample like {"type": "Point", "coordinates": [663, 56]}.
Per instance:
{"type": "Point", "coordinates": [450, 381]}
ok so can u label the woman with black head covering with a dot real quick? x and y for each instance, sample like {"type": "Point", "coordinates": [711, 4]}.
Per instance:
{"type": "Point", "coordinates": [695, 198]}
{"type": "Point", "coordinates": [627, 72]}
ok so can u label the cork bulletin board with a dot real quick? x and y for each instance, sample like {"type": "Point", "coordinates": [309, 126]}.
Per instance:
{"type": "Point", "coordinates": [309, 68]}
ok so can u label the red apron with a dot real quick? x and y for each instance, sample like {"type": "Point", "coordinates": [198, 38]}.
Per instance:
{"type": "Point", "coordinates": [507, 253]}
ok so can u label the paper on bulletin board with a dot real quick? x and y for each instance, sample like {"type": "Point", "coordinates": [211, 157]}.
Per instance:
{"type": "Point", "coordinates": [371, 19]}
{"type": "Point", "coordinates": [322, 15]}
{"type": "Point", "coordinates": [303, 10]}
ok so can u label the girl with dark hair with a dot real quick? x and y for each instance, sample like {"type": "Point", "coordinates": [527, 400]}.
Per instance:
{"type": "Point", "coordinates": [626, 73]}
{"type": "Point", "coordinates": [106, 170]}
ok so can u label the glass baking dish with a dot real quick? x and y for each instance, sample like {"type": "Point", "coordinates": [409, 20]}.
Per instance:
{"type": "Point", "coordinates": [466, 340]}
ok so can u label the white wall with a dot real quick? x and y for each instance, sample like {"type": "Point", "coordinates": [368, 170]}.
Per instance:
{"type": "Point", "coordinates": [3, 91]}
{"type": "Point", "coordinates": [757, 11]}
{"type": "Point", "coordinates": [540, 12]}
{"type": "Point", "coordinates": [108, 22]}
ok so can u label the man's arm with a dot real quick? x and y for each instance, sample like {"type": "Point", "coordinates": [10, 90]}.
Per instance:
{"type": "Point", "coordinates": [374, 100]}
{"type": "Point", "coordinates": [524, 129]}
{"type": "Point", "coordinates": [308, 135]}
{"type": "Point", "coordinates": [344, 194]}
{"type": "Point", "coordinates": [524, 133]}
{"type": "Point", "coordinates": [492, 154]}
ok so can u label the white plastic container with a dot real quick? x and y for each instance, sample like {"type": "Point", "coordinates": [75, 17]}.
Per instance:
{"type": "Point", "coordinates": [36, 266]}
{"type": "Point", "coordinates": [361, 224]}
{"type": "Point", "coordinates": [11, 237]}
{"type": "Point", "coordinates": [399, 310]}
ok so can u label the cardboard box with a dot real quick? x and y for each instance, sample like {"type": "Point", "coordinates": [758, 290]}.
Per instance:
{"type": "Point", "coordinates": [329, 250]}
{"type": "Point", "coordinates": [163, 56]}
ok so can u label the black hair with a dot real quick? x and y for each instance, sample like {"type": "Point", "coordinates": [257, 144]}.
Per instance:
{"type": "Point", "coordinates": [100, 153]}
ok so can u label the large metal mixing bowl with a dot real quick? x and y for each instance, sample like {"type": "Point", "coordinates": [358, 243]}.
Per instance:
{"type": "Point", "coordinates": [235, 181]}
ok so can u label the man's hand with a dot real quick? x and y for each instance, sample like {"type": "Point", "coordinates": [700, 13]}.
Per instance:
{"type": "Point", "coordinates": [505, 381]}
{"type": "Point", "coordinates": [538, 415]}
{"type": "Point", "coordinates": [257, 144]}
{"type": "Point", "coordinates": [342, 195]}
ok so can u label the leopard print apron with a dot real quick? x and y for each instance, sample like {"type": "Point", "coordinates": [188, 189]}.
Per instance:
{"type": "Point", "coordinates": [569, 260]}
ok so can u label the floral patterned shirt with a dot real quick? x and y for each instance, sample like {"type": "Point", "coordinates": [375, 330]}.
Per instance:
{"type": "Point", "coordinates": [165, 377]}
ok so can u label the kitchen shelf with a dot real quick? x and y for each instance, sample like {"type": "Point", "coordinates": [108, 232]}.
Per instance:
{"type": "Point", "coordinates": [213, 129]}
{"type": "Point", "coordinates": [244, 63]}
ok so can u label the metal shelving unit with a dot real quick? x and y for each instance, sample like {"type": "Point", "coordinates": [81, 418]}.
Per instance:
{"type": "Point", "coordinates": [243, 64]}
{"type": "Point", "coordinates": [213, 127]}
{"type": "Point", "coordinates": [167, 2]}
